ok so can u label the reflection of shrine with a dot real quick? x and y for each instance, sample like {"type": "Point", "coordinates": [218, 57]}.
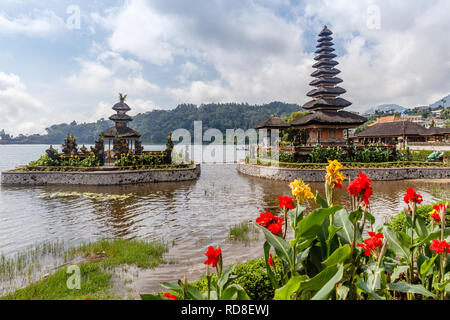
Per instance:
{"type": "Point", "coordinates": [119, 131]}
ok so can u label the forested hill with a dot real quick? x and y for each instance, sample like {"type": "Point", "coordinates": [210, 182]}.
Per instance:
{"type": "Point", "coordinates": [156, 125]}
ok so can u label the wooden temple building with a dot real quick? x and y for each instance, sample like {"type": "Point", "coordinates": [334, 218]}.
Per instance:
{"type": "Point", "coordinates": [120, 130]}
{"type": "Point", "coordinates": [327, 121]}
{"type": "Point", "coordinates": [272, 123]}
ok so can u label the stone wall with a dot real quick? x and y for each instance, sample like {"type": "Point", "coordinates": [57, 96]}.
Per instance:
{"type": "Point", "coordinates": [40, 178]}
{"type": "Point", "coordinates": [318, 175]}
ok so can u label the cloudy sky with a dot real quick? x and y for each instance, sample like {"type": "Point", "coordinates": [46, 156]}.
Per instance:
{"type": "Point", "coordinates": [67, 60]}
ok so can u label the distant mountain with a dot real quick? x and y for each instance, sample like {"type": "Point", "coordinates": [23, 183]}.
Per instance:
{"type": "Point", "coordinates": [445, 103]}
{"type": "Point", "coordinates": [155, 126]}
{"type": "Point", "coordinates": [386, 108]}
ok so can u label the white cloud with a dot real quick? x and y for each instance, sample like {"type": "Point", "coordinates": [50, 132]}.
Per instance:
{"type": "Point", "coordinates": [43, 23]}
{"type": "Point", "coordinates": [259, 55]}
{"type": "Point", "coordinates": [21, 112]}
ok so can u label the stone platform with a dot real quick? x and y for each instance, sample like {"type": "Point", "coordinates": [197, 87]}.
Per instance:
{"type": "Point", "coordinates": [318, 175]}
{"type": "Point", "coordinates": [99, 178]}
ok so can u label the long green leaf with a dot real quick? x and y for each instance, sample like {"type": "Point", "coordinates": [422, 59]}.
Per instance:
{"type": "Point", "coordinates": [235, 292]}
{"type": "Point", "coordinates": [194, 293]}
{"type": "Point", "coordinates": [426, 266]}
{"type": "Point", "coordinates": [282, 248]}
{"type": "Point", "coordinates": [410, 288]}
{"type": "Point", "coordinates": [270, 273]}
{"type": "Point", "coordinates": [291, 287]}
{"type": "Point", "coordinates": [341, 220]}
{"type": "Point", "coordinates": [395, 244]}
{"type": "Point", "coordinates": [327, 289]}
{"type": "Point", "coordinates": [311, 224]}
{"type": "Point", "coordinates": [295, 216]}
{"type": "Point", "coordinates": [151, 297]}
{"type": "Point", "coordinates": [316, 283]}
{"type": "Point", "coordinates": [364, 287]}
{"type": "Point", "coordinates": [398, 271]}
{"type": "Point", "coordinates": [338, 256]}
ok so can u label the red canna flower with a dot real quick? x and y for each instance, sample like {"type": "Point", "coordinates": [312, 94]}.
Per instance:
{"type": "Point", "coordinates": [264, 218]}
{"type": "Point", "coordinates": [412, 196]}
{"type": "Point", "coordinates": [441, 209]}
{"type": "Point", "coordinates": [440, 246]}
{"type": "Point", "coordinates": [269, 221]}
{"type": "Point", "coordinates": [276, 228]}
{"type": "Point", "coordinates": [435, 216]}
{"type": "Point", "coordinates": [286, 202]}
{"type": "Point", "coordinates": [88, 299]}
{"type": "Point", "coordinates": [270, 260]}
{"type": "Point", "coordinates": [361, 187]}
{"type": "Point", "coordinates": [167, 295]}
{"type": "Point", "coordinates": [213, 255]}
{"type": "Point", "coordinates": [372, 243]}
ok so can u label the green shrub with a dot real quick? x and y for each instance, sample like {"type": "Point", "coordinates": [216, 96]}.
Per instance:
{"type": "Point", "coordinates": [252, 277]}
{"type": "Point", "coordinates": [420, 155]}
{"type": "Point", "coordinates": [398, 222]}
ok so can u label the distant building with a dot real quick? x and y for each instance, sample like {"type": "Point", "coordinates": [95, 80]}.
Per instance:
{"type": "Point", "coordinates": [415, 118]}
{"type": "Point", "coordinates": [392, 118]}
{"type": "Point", "coordinates": [408, 131]}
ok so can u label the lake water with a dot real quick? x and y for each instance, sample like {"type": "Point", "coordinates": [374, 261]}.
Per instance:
{"type": "Point", "coordinates": [189, 215]}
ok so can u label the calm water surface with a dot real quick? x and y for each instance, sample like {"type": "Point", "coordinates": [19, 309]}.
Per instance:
{"type": "Point", "coordinates": [190, 215]}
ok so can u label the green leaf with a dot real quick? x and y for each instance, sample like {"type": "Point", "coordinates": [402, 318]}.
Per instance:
{"type": "Point", "coordinates": [151, 297]}
{"type": "Point", "coordinates": [346, 234]}
{"type": "Point", "coordinates": [316, 283]}
{"type": "Point", "coordinates": [410, 288]}
{"type": "Point", "coordinates": [395, 245]}
{"type": "Point", "coordinates": [421, 228]}
{"type": "Point", "coordinates": [320, 201]}
{"type": "Point", "coordinates": [171, 285]}
{"type": "Point", "coordinates": [312, 223]}
{"type": "Point", "coordinates": [338, 256]}
{"type": "Point", "coordinates": [426, 266]}
{"type": "Point", "coordinates": [235, 292]}
{"type": "Point", "coordinates": [296, 215]}
{"type": "Point", "coordinates": [355, 216]}
{"type": "Point", "coordinates": [398, 271]}
{"type": "Point", "coordinates": [223, 280]}
{"type": "Point", "coordinates": [327, 289]}
{"type": "Point", "coordinates": [282, 248]}
{"type": "Point", "coordinates": [364, 287]}
{"type": "Point", "coordinates": [194, 293]}
{"type": "Point", "coordinates": [370, 218]}
{"type": "Point", "coordinates": [291, 287]}
{"type": "Point", "coordinates": [269, 268]}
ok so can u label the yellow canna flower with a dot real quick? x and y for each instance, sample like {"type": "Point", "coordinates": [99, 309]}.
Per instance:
{"type": "Point", "coordinates": [301, 191]}
{"type": "Point", "coordinates": [334, 177]}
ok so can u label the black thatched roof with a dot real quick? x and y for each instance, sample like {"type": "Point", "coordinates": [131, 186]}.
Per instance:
{"type": "Point", "coordinates": [398, 129]}
{"type": "Point", "coordinates": [324, 50]}
{"type": "Point", "coordinates": [272, 123]}
{"type": "Point", "coordinates": [325, 32]}
{"type": "Point", "coordinates": [121, 106]}
{"type": "Point", "coordinates": [325, 64]}
{"type": "Point", "coordinates": [326, 90]}
{"type": "Point", "coordinates": [120, 117]}
{"type": "Point", "coordinates": [329, 117]}
{"type": "Point", "coordinates": [325, 72]}
{"type": "Point", "coordinates": [337, 103]}
{"type": "Point", "coordinates": [124, 132]}
{"type": "Point", "coordinates": [327, 81]}
{"type": "Point", "coordinates": [325, 44]}
{"type": "Point", "coordinates": [325, 55]}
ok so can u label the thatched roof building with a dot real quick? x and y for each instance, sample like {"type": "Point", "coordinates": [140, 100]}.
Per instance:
{"type": "Point", "coordinates": [273, 123]}
{"type": "Point", "coordinates": [406, 130]}
{"type": "Point", "coordinates": [326, 122]}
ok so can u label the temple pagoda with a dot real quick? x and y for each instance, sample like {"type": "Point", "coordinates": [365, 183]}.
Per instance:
{"type": "Point", "coordinates": [120, 131]}
{"type": "Point", "coordinates": [326, 122]}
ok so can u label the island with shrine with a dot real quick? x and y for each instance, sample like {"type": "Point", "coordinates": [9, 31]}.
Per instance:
{"type": "Point", "coordinates": [322, 133]}
{"type": "Point", "coordinates": [117, 158]}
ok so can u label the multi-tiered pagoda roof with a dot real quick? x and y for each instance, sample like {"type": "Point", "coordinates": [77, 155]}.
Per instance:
{"type": "Point", "coordinates": [121, 120]}
{"type": "Point", "coordinates": [326, 103]}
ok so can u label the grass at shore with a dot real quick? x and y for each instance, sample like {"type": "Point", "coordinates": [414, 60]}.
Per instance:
{"type": "Point", "coordinates": [240, 232]}
{"type": "Point", "coordinates": [96, 269]}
